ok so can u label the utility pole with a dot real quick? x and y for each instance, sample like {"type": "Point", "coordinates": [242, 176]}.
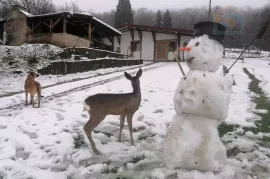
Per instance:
{"type": "Point", "coordinates": [209, 15]}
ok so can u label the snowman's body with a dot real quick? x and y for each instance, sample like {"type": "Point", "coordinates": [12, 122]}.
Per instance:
{"type": "Point", "coordinates": [201, 103]}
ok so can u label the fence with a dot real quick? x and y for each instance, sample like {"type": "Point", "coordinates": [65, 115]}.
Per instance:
{"type": "Point", "coordinates": [64, 67]}
{"type": "Point", "coordinates": [89, 53]}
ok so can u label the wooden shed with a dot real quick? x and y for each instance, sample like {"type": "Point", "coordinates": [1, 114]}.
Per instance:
{"type": "Point", "coordinates": [63, 29]}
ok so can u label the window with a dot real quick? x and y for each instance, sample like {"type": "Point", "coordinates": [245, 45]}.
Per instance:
{"type": "Point", "coordinates": [135, 46]}
{"type": "Point", "coordinates": [172, 45]}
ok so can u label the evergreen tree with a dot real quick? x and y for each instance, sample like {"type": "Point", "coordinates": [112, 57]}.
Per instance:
{"type": "Point", "coordinates": [123, 14]}
{"type": "Point", "coordinates": [167, 20]}
{"type": "Point", "coordinates": [159, 20]}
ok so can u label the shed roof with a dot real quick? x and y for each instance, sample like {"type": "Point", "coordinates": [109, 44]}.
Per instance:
{"type": "Point", "coordinates": [84, 15]}
{"type": "Point", "coordinates": [126, 27]}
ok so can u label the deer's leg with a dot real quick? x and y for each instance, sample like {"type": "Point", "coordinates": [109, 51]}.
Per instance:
{"type": "Point", "coordinates": [122, 121]}
{"type": "Point", "coordinates": [89, 127]}
{"type": "Point", "coordinates": [129, 120]}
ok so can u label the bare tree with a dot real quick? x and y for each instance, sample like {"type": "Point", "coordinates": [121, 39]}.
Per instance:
{"type": "Point", "coordinates": [71, 6]}
{"type": "Point", "coordinates": [33, 6]}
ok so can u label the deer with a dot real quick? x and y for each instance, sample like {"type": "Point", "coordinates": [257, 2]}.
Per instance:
{"type": "Point", "coordinates": [102, 104]}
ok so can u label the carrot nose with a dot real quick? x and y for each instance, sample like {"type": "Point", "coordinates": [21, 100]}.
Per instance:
{"type": "Point", "coordinates": [184, 49]}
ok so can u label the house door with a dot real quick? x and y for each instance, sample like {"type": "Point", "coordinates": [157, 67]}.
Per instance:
{"type": "Point", "coordinates": [162, 50]}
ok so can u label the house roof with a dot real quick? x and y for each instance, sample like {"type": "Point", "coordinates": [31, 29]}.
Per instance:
{"type": "Point", "coordinates": [127, 27]}
{"type": "Point", "coordinates": [83, 15]}
{"type": "Point", "coordinates": [78, 15]}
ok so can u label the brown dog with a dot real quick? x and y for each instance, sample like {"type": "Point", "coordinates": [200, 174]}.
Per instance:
{"type": "Point", "coordinates": [31, 86]}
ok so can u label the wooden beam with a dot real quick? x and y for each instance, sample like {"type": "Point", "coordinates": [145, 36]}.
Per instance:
{"type": "Point", "coordinates": [132, 37]}
{"type": "Point", "coordinates": [33, 26]}
{"type": "Point", "coordinates": [51, 25]}
{"type": "Point", "coordinates": [178, 46]}
{"type": "Point", "coordinates": [111, 39]}
{"type": "Point", "coordinates": [154, 40]}
{"type": "Point", "coordinates": [48, 25]}
{"type": "Point", "coordinates": [57, 22]}
{"type": "Point", "coordinates": [140, 36]}
{"type": "Point", "coordinates": [112, 44]}
{"type": "Point", "coordinates": [119, 40]}
{"type": "Point", "coordinates": [89, 33]}
{"type": "Point", "coordinates": [132, 34]}
{"type": "Point", "coordinates": [93, 28]}
{"type": "Point", "coordinates": [36, 26]}
{"type": "Point", "coordinates": [64, 25]}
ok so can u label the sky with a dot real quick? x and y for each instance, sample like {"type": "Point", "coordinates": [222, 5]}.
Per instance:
{"type": "Point", "coordinates": [107, 5]}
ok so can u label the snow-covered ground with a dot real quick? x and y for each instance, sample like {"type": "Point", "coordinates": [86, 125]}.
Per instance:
{"type": "Point", "coordinates": [14, 83]}
{"type": "Point", "coordinates": [20, 59]}
{"type": "Point", "coordinates": [49, 142]}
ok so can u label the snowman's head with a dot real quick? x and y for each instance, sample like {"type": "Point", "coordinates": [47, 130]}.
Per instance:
{"type": "Point", "coordinates": [203, 54]}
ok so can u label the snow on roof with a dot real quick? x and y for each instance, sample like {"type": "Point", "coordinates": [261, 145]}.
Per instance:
{"type": "Point", "coordinates": [117, 31]}
{"type": "Point", "coordinates": [84, 13]}
{"type": "Point", "coordinates": [57, 13]}
{"type": "Point", "coordinates": [27, 14]}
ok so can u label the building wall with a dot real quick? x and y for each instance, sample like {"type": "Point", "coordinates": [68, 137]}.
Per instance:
{"type": "Point", "coordinates": [183, 39]}
{"type": "Point", "coordinates": [147, 46]}
{"type": "Point", "coordinates": [160, 36]}
{"type": "Point", "coordinates": [147, 43]}
{"type": "Point", "coordinates": [58, 39]}
{"type": "Point", "coordinates": [16, 28]}
{"type": "Point", "coordinates": [125, 43]}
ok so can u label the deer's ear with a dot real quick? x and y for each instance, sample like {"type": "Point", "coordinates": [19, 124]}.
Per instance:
{"type": "Point", "coordinates": [139, 73]}
{"type": "Point", "coordinates": [128, 76]}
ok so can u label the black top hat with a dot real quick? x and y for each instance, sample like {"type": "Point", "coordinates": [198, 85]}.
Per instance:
{"type": "Point", "coordinates": [214, 30]}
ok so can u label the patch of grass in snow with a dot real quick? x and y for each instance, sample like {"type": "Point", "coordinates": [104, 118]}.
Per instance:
{"type": "Point", "coordinates": [233, 152]}
{"type": "Point", "coordinates": [225, 128]}
{"type": "Point", "coordinates": [110, 170]}
{"type": "Point", "coordinates": [136, 159]}
{"type": "Point", "coordinates": [263, 125]}
{"type": "Point", "coordinates": [262, 103]}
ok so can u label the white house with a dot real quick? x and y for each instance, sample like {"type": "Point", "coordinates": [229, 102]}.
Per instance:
{"type": "Point", "coordinates": [152, 43]}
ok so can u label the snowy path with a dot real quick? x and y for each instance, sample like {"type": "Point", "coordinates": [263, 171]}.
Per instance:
{"type": "Point", "coordinates": [49, 142]}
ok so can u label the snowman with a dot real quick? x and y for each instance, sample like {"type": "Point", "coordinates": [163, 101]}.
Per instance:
{"type": "Point", "coordinates": [201, 103]}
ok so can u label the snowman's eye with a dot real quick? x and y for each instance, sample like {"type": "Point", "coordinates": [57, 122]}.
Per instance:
{"type": "Point", "coordinates": [197, 44]}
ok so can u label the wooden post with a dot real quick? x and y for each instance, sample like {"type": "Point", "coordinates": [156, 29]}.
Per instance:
{"type": "Point", "coordinates": [64, 25]}
{"type": "Point", "coordinates": [154, 40]}
{"type": "Point", "coordinates": [178, 46]}
{"type": "Point", "coordinates": [119, 40]}
{"type": "Point", "coordinates": [89, 33]}
{"type": "Point", "coordinates": [51, 25]}
{"type": "Point", "coordinates": [33, 26]}
{"type": "Point", "coordinates": [111, 39]}
{"type": "Point", "coordinates": [132, 37]}
{"type": "Point", "coordinates": [140, 36]}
